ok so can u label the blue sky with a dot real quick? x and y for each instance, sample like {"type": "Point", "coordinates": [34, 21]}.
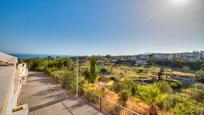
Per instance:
{"type": "Point", "coordinates": [88, 27]}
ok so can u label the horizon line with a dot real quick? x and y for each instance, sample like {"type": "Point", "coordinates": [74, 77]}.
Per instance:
{"type": "Point", "coordinates": [104, 54]}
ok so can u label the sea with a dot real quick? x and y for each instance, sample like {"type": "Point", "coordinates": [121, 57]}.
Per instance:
{"type": "Point", "coordinates": [27, 56]}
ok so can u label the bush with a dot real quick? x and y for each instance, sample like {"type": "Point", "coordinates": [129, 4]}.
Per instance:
{"type": "Point", "coordinates": [175, 84]}
{"type": "Point", "coordinates": [200, 76]}
{"type": "Point", "coordinates": [180, 105]}
{"type": "Point", "coordinates": [113, 78]}
{"type": "Point", "coordinates": [196, 93]}
{"type": "Point", "coordinates": [103, 71]}
{"type": "Point", "coordinates": [151, 95]}
{"type": "Point", "coordinates": [103, 79]}
{"type": "Point", "coordinates": [186, 107]}
{"type": "Point", "coordinates": [118, 86]}
{"type": "Point", "coordinates": [163, 86]}
{"type": "Point", "coordinates": [123, 97]}
{"type": "Point", "coordinates": [66, 77]}
{"type": "Point", "coordinates": [133, 91]}
{"type": "Point", "coordinates": [171, 101]}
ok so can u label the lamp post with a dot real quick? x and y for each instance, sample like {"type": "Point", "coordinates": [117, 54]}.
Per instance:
{"type": "Point", "coordinates": [77, 77]}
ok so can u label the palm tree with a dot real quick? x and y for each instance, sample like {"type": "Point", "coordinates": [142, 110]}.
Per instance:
{"type": "Point", "coordinates": [151, 95]}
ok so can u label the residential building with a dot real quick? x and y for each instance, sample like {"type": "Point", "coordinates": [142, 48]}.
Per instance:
{"type": "Point", "coordinates": [143, 57]}
{"type": "Point", "coordinates": [140, 62]}
{"type": "Point", "coordinates": [163, 56]}
{"type": "Point", "coordinates": [202, 54]}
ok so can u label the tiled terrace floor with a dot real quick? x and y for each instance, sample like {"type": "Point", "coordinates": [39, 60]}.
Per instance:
{"type": "Point", "coordinates": [47, 98]}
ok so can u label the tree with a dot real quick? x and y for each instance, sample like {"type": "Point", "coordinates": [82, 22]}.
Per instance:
{"type": "Point", "coordinates": [160, 73]}
{"type": "Point", "coordinates": [151, 95]}
{"type": "Point", "coordinates": [35, 64]}
{"type": "Point", "coordinates": [91, 74]}
{"type": "Point", "coordinates": [133, 91]}
{"type": "Point", "coordinates": [123, 97]}
{"type": "Point", "coordinates": [117, 86]}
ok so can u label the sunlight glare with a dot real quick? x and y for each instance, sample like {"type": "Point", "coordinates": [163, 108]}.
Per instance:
{"type": "Point", "coordinates": [179, 2]}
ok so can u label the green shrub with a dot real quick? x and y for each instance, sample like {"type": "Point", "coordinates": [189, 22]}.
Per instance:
{"type": "Point", "coordinates": [163, 86]}
{"type": "Point", "coordinates": [133, 91]}
{"type": "Point", "coordinates": [118, 86]}
{"type": "Point", "coordinates": [200, 75]}
{"type": "Point", "coordinates": [151, 95]}
{"type": "Point", "coordinates": [195, 93]}
{"type": "Point", "coordinates": [171, 101]}
{"type": "Point", "coordinates": [123, 97]}
{"type": "Point", "coordinates": [175, 84]}
{"type": "Point", "coordinates": [186, 107]}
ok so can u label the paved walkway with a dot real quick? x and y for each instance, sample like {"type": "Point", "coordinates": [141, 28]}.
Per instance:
{"type": "Point", "coordinates": [46, 98]}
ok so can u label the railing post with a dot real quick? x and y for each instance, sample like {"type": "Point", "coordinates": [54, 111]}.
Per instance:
{"type": "Point", "coordinates": [118, 111]}
{"type": "Point", "coordinates": [100, 103]}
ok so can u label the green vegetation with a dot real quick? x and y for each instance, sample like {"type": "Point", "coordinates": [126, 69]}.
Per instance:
{"type": "Point", "coordinates": [200, 75]}
{"type": "Point", "coordinates": [91, 74]}
{"type": "Point", "coordinates": [186, 106]}
{"type": "Point", "coordinates": [154, 86]}
{"type": "Point", "coordinates": [61, 69]}
{"type": "Point", "coordinates": [93, 71]}
{"type": "Point", "coordinates": [151, 95]}
{"type": "Point", "coordinates": [123, 97]}
{"type": "Point", "coordinates": [177, 63]}
{"type": "Point", "coordinates": [119, 86]}
{"type": "Point", "coordinates": [133, 91]}
{"type": "Point", "coordinates": [164, 87]}
{"type": "Point", "coordinates": [160, 73]}
{"type": "Point", "coordinates": [180, 105]}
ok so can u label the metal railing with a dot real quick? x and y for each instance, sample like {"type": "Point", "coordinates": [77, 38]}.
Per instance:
{"type": "Point", "coordinates": [104, 105]}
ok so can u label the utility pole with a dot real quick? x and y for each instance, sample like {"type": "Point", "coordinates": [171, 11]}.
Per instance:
{"type": "Point", "coordinates": [77, 77]}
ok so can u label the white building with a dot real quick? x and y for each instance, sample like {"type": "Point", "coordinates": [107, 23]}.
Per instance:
{"type": "Point", "coordinates": [189, 56]}
{"type": "Point", "coordinates": [202, 54]}
{"type": "Point", "coordinates": [140, 62]}
{"type": "Point", "coordinates": [163, 56]}
{"type": "Point", "coordinates": [143, 57]}
{"type": "Point", "coordinates": [12, 77]}
{"type": "Point", "coordinates": [132, 58]}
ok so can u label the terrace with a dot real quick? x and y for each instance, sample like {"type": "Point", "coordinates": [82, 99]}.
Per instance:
{"type": "Point", "coordinates": [12, 77]}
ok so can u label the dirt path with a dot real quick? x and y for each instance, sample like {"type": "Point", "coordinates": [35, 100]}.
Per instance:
{"type": "Point", "coordinates": [46, 98]}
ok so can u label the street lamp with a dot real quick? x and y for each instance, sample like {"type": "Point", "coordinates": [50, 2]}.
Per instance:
{"type": "Point", "coordinates": [77, 77]}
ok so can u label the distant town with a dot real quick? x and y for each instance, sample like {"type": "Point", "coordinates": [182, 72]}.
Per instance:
{"type": "Point", "coordinates": [142, 59]}
{"type": "Point", "coordinates": [176, 60]}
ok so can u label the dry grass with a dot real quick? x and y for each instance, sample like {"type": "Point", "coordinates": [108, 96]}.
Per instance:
{"type": "Point", "coordinates": [183, 74]}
